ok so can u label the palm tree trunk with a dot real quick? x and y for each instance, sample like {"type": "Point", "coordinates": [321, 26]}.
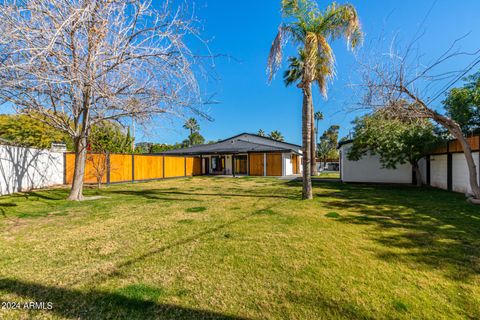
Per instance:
{"type": "Point", "coordinates": [313, 165]}
{"type": "Point", "coordinates": [307, 140]}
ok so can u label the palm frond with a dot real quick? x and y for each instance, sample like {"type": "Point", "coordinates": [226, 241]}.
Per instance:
{"type": "Point", "coordinates": [325, 65]}
{"type": "Point", "coordinates": [342, 21]}
{"type": "Point", "coordinates": [311, 54]}
{"type": "Point", "coordinates": [276, 51]}
{"type": "Point", "coordinates": [295, 70]}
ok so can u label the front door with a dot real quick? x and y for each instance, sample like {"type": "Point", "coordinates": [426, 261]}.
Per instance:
{"type": "Point", "coordinates": [240, 164]}
{"type": "Point", "coordinates": [206, 165]}
{"type": "Point", "coordinates": [218, 165]}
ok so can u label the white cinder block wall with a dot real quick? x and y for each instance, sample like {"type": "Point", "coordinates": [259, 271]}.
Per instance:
{"type": "Point", "coordinates": [460, 177]}
{"type": "Point", "coordinates": [23, 169]}
{"type": "Point", "coordinates": [369, 169]}
{"type": "Point", "coordinates": [438, 171]}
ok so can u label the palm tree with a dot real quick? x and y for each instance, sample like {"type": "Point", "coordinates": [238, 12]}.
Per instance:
{"type": "Point", "coordinates": [192, 125]}
{"type": "Point", "coordinates": [317, 116]}
{"type": "Point", "coordinates": [261, 133]}
{"type": "Point", "coordinates": [292, 75]}
{"type": "Point", "coordinates": [311, 29]}
{"type": "Point", "coordinates": [276, 135]}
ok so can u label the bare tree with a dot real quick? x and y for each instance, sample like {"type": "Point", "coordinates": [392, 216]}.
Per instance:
{"type": "Point", "coordinates": [98, 162]}
{"type": "Point", "coordinates": [76, 63]}
{"type": "Point", "coordinates": [398, 83]}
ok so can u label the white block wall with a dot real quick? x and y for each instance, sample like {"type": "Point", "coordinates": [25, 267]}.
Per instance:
{"type": "Point", "coordinates": [228, 164]}
{"type": "Point", "coordinates": [460, 177]}
{"type": "Point", "coordinates": [439, 171]}
{"type": "Point", "coordinates": [369, 169]}
{"type": "Point", "coordinates": [23, 169]}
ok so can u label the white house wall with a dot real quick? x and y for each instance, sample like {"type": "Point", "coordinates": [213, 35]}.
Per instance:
{"type": "Point", "coordinates": [23, 169]}
{"type": "Point", "coordinates": [369, 169]}
{"type": "Point", "coordinates": [287, 164]}
{"type": "Point", "coordinates": [228, 165]}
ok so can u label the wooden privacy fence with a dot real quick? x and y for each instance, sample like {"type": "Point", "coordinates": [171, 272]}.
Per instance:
{"type": "Point", "coordinates": [112, 168]}
{"type": "Point", "coordinates": [455, 146]}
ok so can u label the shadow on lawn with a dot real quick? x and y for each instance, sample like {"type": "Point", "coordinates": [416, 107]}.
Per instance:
{"type": "Point", "coordinates": [431, 227]}
{"type": "Point", "coordinates": [75, 304]}
{"type": "Point", "coordinates": [157, 193]}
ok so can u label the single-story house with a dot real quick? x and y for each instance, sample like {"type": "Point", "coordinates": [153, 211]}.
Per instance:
{"type": "Point", "coordinates": [246, 154]}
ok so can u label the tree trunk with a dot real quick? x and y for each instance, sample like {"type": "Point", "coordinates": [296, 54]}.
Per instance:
{"type": "Point", "coordinates": [418, 174]}
{"type": "Point", "coordinates": [313, 143]}
{"type": "Point", "coordinates": [456, 131]}
{"type": "Point", "coordinates": [76, 192]}
{"type": "Point", "coordinates": [307, 140]}
{"type": "Point", "coordinates": [472, 168]}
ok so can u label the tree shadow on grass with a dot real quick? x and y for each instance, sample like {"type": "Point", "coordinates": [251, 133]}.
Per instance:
{"type": "Point", "coordinates": [75, 304]}
{"type": "Point", "coordinates": [424, 226]}
{"type": "Point", "coordinates": [154, 193]}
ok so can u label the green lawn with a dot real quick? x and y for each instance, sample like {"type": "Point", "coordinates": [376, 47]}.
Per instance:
{"type": "Point", "coordinates": [241, 248]}
{"type": "Point", "coordinates": [329, 175]}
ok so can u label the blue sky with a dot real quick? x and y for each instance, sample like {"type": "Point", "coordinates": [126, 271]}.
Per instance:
{"type": "Point", "coordinates": [245, 29]}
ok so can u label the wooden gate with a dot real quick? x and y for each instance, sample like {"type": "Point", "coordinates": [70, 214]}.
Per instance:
{"type": "Point", "coordinates": [274, 164]}
{"type": "Point", "coordinates": [256, 164]}
{"type": "Point", "coordinates": [294, 163]}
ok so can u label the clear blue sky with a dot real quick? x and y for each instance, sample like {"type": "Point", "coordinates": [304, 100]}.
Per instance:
{"type": "Point", "coordinates": [245, 29]}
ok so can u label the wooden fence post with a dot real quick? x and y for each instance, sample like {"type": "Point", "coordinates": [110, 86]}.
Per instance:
{"type": "Point", "coordinates": [108, 166]}
{"type": "Point", "coordinates": [133, 167]}
{"type": "Point", "coordinates": [64, 168]}
{"type": "Point", "coordinates": [449, 172]}
{"type": "Point", "coordinates": [184, 166]}
{"type": "Point", "coordinates": [163, 167]}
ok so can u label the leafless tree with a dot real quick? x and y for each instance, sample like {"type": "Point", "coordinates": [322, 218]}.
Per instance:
{"type": "Point", "coordinates": [76, 63]}
{"type": "Point", "coordinates": [98, 161]}
{"type": "Point", "coordinates": [396, 82]}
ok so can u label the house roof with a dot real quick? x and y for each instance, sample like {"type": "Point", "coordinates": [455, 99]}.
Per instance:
{"type": "Point", "coordinates": [238, 144]}
{"type": "Point", "coordinates": [266, 139]}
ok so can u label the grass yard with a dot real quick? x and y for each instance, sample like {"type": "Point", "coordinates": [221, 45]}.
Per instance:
{"type": "Point", "coordinates": [329, 175]}
{"type": "Point", "coordinates": [241, 248]}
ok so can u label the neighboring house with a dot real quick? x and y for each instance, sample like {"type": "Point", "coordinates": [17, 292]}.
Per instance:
{"type": "Point", "coordinates": [328, 165]}
{"type": "Point", "coordinates": [246, 154]}
{"type": "Point", "coordinates": [444, 168]}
